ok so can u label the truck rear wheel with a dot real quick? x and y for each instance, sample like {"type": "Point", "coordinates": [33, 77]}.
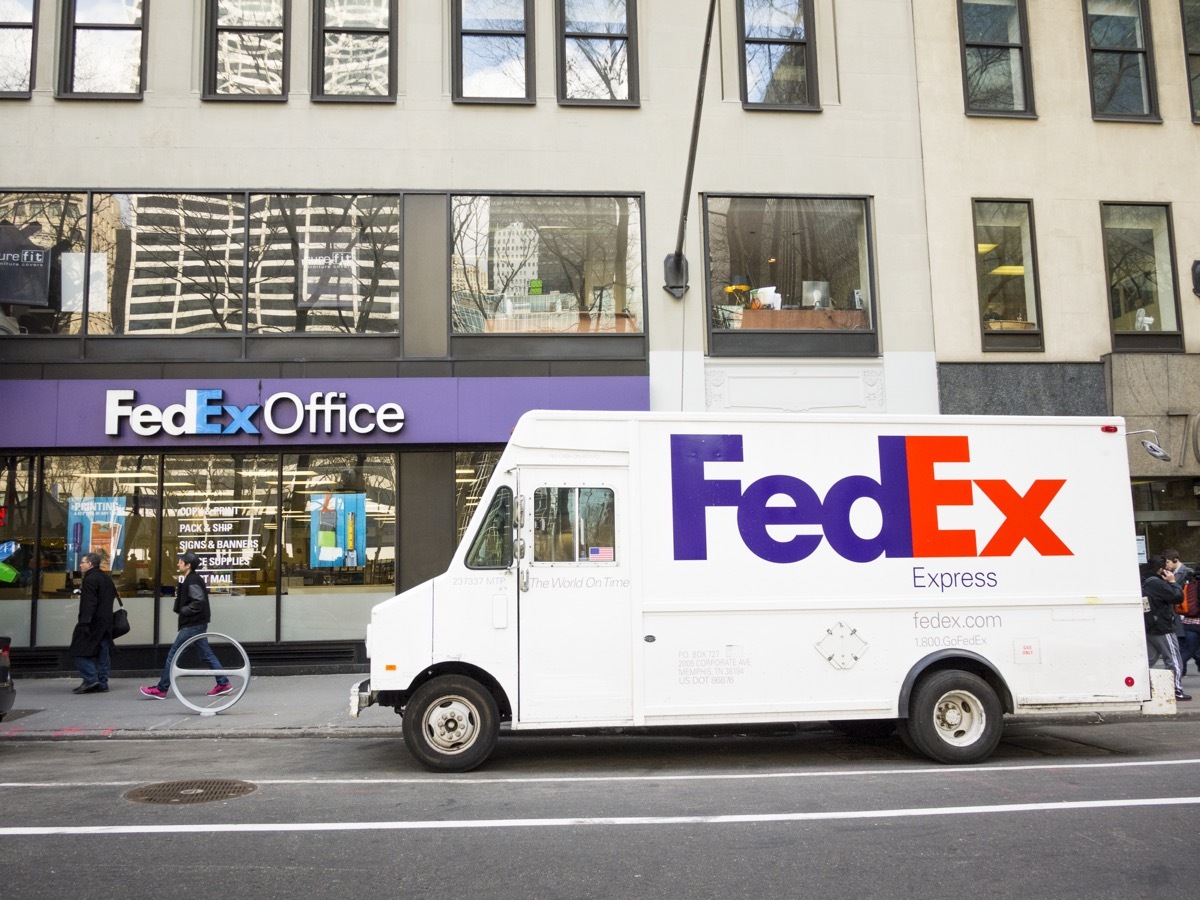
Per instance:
{"type": "Point", "coordinates": [450, 724]}
{"type": "Point", "coordinates": [955, 717]}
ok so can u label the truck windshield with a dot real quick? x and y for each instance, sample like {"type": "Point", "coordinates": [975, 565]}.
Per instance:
{"type": "Point", "coordinates": [492, 547]}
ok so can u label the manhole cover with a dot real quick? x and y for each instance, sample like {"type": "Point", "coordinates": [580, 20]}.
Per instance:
{"type": "Point", "coordinates": [205, 791]}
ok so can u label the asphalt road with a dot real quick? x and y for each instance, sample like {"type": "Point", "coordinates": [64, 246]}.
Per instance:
{"type": "Point", "coordinates": [1061, 811]}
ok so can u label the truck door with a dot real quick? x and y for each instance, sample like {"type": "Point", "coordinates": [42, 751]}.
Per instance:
{"type": "Point", "coordinates": [574, 598]}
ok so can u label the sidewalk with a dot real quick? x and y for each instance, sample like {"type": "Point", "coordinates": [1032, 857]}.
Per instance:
{"type": "Point", "coordinates": [272, 706]}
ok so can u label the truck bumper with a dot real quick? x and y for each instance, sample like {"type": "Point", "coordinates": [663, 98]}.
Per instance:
{"type": "Point", "coordinates": [361, 697]}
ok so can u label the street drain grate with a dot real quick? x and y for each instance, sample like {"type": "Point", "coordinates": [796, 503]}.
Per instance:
{"type": "Point", "coordinates": [198, 791]}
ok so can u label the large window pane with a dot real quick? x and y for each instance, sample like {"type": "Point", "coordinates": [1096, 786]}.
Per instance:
{"type": "Point", "coordinates": [324, 263]}
{"type": "Point", "coordinates": [357, 38]}
{"type": "Point", "coordinates": [46, 298]}
{"type": "Point", "coordinates": [472, 470]}
{"type": "Point", "coordinates": [1120, 61]}
{"type": "Point", "coordinates": [778, 53]}
{"type": "Point", "coordinates": [225, 509]}
{"type": "Point", "coordinates": [596, 44]}
{"type": "Point", "coordinates": [339, 542]}
{"type": "Point", "coordinates": [107, 505]}
{"type": "Point", "coordinates": [994, 55]}
{"type": "Point", "coordinates": [18, 524]}
{"type": "Point", "coordinates": [16, 46]}
{"type": "Point", "coordinates": [1138, 253]}
{"type": "Point", "coordinates": [573, 525]}
{"type": "Point", "coordinates": [246, 48]}
{"type": "Point", "coordinates": [1004, 263]}
{"type": "Point", "coordinates": [167, 264]}
{"type": "Point", "coordinates": [493, 54]}
{"type": "Point", "coordinates": [791, 263]}
{"type": "Point", "coordinates": [104, 45]}
{"type": "Point", "coordinates": [546, 265]}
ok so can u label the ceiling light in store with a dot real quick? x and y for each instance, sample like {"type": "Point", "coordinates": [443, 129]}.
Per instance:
{"type": "Point", "coordinates": [986, 248]}
{"type": "Point", "coordinates": [1008, 270]}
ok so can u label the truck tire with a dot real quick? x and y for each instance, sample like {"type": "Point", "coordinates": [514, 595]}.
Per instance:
{"type": "Point", "coordinates": [955, 717]}
{"type": "Point", "coordinates": [865, 729]}
{"type": "Point", "coordinates": [450, 724]}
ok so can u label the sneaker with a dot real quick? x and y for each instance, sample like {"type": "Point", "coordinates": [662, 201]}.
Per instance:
{"type": "Point", "coordinates": [1181, 696]}
{"type": "Point", "coordinates": [221, 689]}
{"type": "Point", "coordinates": [154, 692]}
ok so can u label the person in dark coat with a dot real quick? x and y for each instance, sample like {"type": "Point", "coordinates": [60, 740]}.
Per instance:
{"type": "Point", "coordinates": [92, 638]}
{"type": "Point", "coordinates": [1161, 594]}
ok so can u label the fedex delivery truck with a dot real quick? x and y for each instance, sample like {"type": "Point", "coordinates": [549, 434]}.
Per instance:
{"type": "Point", "coordinates": [926, 574]}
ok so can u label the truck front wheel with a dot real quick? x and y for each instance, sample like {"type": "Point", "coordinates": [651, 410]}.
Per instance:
{"type": "Point", "coordinates": [955, 717]}
{"type": "Point", "coordinates": [450, 724]}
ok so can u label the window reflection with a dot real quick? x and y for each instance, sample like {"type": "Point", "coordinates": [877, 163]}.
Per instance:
{"type": "Point", "coordinates": [51, 296]}
{"type": "Point", "coordinates": [1119, 58]}
{"type": "Point", "coordinates": [493, 58]}
{"type": "Point", "coordinates": [1137, 250]}
{"type": "Point", "coordinates": [597, 59]}
{"type": "Point", "coordinates": [325, 263]}
{"type": "Point", "coordinates": [777, 53]}
{"type": "Point", "coordinates": [247, 48]}
{"type": "Point", "coordinates": [792, 263]}
{"type": "Point", "coordinates": [357, 38]}
{"type": "Point", "coordinates": [472, 470]}
{"type": "Point", "coordinates": [546, 265]}
{"type": "Point", "coordinates": [18, 521]}
{"type": "Point", "coordinates": [994, 55]}
{"type": "Point", "coordinates": [16, 46]}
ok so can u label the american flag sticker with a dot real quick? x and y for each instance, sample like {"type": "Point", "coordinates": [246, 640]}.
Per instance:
{"type": "Point", "coordinates": [600, 554]}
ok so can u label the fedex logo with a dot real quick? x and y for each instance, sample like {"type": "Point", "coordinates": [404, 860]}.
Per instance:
{"type": "Point", "coordinates": [907, 493]}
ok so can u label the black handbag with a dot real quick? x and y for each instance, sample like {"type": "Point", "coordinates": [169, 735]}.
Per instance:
{"type": "Point", "coordinates": [120, 624]}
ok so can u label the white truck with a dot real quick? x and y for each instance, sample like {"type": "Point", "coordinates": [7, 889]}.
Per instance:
{"type": "Point", "coordinates": [927, 574]}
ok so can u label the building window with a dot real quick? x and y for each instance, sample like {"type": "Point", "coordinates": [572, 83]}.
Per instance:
{"type": "Point", "coordinates": [324, 264]}
{"type": "Point", "coordinates": [246, 49]}
{"type": "Point", "coordinates": [1191, 44]}
{"type": "Point", "coordinates": [996, 73]}
{"type": "Point", "coordinates": [789, 276]}
{"type": "Point", "coordinates": [493, 51]}
{"type": "Point", "coordinates": [546, 265]}
{"type": "Point", "coordinates": [597, 52]}
{"type": "Point", "coordinates": [1140, 261]}
{"type": "Point", "coordinates": [1006, 272]}
{"type": "Point", "coordinates": [778, 54]}
{"type": "Point", "coordinates": [47, 296]}
{"type": "Point", "coordinates": [354, 50]}
{"type": "Point", "coordinates": [1120, 61]}
{"type": "Point", "coordinates": [103, 49]}
{"type": "Point", "coordinates": [18, 38]}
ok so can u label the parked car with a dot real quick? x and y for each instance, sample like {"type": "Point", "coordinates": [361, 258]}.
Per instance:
{"type": "Point", "coordinates": [8, 693]}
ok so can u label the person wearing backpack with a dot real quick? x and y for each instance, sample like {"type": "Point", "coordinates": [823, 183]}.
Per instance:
{"type": "Point", "coordinates": [1189, 643]}
{"type": "Point", "coordinates": [1161, 594]}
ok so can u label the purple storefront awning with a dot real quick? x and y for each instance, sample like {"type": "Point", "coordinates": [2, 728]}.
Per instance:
{"type": "Point", "coordinates": [292, 412]}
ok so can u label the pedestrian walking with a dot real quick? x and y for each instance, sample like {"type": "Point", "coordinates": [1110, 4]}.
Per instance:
{"type": "Point", "coordinates": [1162, 594]}
{"type": "Point", "coordinates": [92, 638]}
{"type": "Point", "coordinates": [192, 607]}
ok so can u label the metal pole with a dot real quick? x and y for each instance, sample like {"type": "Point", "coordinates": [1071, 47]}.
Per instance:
{"type": "Point", "coordinates": [675, 265]}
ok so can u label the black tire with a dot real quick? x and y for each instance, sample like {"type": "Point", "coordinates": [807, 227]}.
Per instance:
{"type": "Point", "coordinates": [955, 717]}
{"type": "Point", "coordinates": [451, 724]}
{"type": "Point", "coordinates": [866, 729]}
{"type": "Point", "coordinates": [906, 738]}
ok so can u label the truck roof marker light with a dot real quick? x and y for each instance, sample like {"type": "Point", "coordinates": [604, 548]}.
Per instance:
{"type": "Point", "coordinates": [1129, 681]}
{"type": "Point", "coordinates": [1109, 429]}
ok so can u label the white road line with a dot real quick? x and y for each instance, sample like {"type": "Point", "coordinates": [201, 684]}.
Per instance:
{"type": "Point", "coordinates": [460, 824]}
{"type": "Point", "coordinates": [591, 779]}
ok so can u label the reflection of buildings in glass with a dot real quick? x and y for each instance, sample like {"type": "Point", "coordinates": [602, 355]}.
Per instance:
{"type": "Point", "coordinates": [356, 64]}
{"type": "Point", "coordinates": [251, 62]}
{"type": "Point", "coordinates": [317, 264]}
{"type": "Point", "coordinates": [514, 259]}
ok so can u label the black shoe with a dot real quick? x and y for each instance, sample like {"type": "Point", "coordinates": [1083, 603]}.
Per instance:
{"type": "Point", "coordinates": [1181, 696]}
{"type": "Point", "coordinates": [97, 689]}
{"type": "Point", "coordinates": [85, 687]}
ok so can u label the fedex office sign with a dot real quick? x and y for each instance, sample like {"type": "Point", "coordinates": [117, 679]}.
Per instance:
{"type": "Point", "coordinates": [907, 492]}
{"type": "Point", "coordinates": [203, 411]}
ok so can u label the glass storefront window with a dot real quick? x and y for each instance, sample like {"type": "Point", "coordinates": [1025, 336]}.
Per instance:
{"type": "Point", "coordinates": [167, 264]}
{"type": "Point", "coordinates": [225, 509]}
{"type": "Point", "coordinates": [546, 265]}
{"type": "Point", "coordinates": [18, 524]}
{"type": "Point", "coordinates": [1167, 514]}
{"type": "Point", "coordinates": [788, 263]}
{"type": "Point", "coordinates": [43, 294]}
{"type": "Point", "coordinates": [324, 263]}
{"type": "Point", "coordinates": [472, 470]}
{"type": "Point", "coordinates": [107, 505]}
{"type": "Point", "coordinates": [338, 542]}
